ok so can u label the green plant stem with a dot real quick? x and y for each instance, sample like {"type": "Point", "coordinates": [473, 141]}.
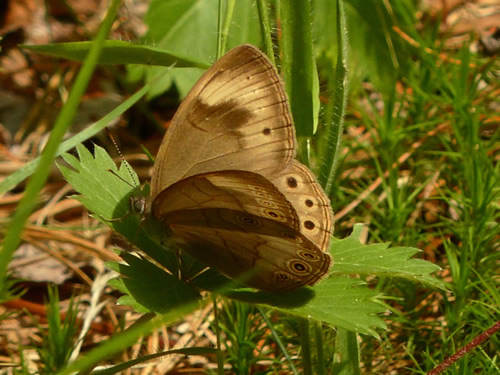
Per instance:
{"type": "Point", "coordinates": [220, 353]}
{"type": "Point", "coordinates": [305, 341]}
{"type": "Point", "coordinates": [224, 29]}
{"type": "Point", "coordinates": [338, 88]}
{"type": "Point", "coordinates": [318, 333]}
{"type": "Point", "coordinates": [265, 29]}
{"type": "Point", "coordinates": [347, 352]}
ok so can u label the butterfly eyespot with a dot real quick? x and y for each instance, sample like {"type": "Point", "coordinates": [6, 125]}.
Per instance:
{"type": "Point", "coordinates": [257, 188]}
{"type": "Point", "coordinates": [248, 221]}
{"type": "Point", "coordinates": [266, 203]}
{"type": "Point", "coordinates": [308, 224]}
{"type": "Point", "coordinates": [308, 255]}
{"type": "Point", "coordinates": [299, 267]}
{"type": "Point", "coordinates": [261, 195]}
{"type": "Point", "coordinates": [266, 131]}
{"type": "Point", "coordinates": [309, 203]}
{"type": "Point", "coordinates": [272, 214]}
{"type": "Point", "coordinates": [282, 276]}
{"type": "Point", "coordinates": [291, 182]}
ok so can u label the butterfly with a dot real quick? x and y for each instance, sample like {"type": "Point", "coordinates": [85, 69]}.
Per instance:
{"type": "Point", "coordinates": [225, 186]}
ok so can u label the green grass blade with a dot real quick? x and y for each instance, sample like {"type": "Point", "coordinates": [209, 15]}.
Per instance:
{"type": "Point", "coordinates": [338, 87]}
{"type": "Point", "coordinates": [60, 337]}
{"type": "Point", "coordinates": [278, 340]}
{"type": "Point", "coordinates": [118, 52]}
{"type": "Point", "coordinates": [126, 365]}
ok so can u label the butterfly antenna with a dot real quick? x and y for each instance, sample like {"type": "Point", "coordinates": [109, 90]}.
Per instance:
{"type": "Point", "coordinates": [124, 162]}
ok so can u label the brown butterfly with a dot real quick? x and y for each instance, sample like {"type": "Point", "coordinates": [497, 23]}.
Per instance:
{"type": "Point", "coordinates": [225, 185]}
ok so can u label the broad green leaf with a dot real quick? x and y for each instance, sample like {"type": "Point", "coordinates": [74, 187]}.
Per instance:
{"type": "Point", "coordinates": [107, 195]}
{"type": "Point", "coordinates": [376, 51]}
{"type": "Point", "coordinates": [126, 299]}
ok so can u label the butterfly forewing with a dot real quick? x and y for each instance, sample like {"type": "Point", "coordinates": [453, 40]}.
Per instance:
{"type": "Point", "coordinates": [238, 108]}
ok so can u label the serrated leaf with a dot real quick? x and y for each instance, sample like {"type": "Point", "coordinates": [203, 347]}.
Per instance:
{"type": "Point", "coordinates": [338, 300]}
{"type": "Point", "coordinates": [88, 176]}
{"type": "Point", "coordinates": [127, 299]}
{"type": "Point", "coordinates": [107, 195]}
{"type": "Point", "coordinates": [350, 256]}
{"type": "Point", "coordinates": [152, 287]}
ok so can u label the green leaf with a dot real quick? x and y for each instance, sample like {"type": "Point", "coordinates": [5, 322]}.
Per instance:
{"type": "Point", "coordinates": [118, 52]}
{"type": "Point", "coordinates": [350, 256]}
{"type": "Point", "coordinates": [338, 300]}
{"type": "Point", "coordinates": [376, 51]}
{"type": "Point", "coordinates": [181, 25]}
{"type": "Point", "coordinates": [126, 299]}
{"type": "Point", "coordinates": [108, 194]}
{"type": "Point", "coordinates": [152, 287]}
{"type": "Point", "coordinates": [87, 176]}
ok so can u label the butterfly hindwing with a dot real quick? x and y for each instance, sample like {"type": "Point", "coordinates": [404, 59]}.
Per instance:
{"type": "Point", "coordinates": [312, 205]}
{"type": "Point", "coordinates": [240, 224]}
